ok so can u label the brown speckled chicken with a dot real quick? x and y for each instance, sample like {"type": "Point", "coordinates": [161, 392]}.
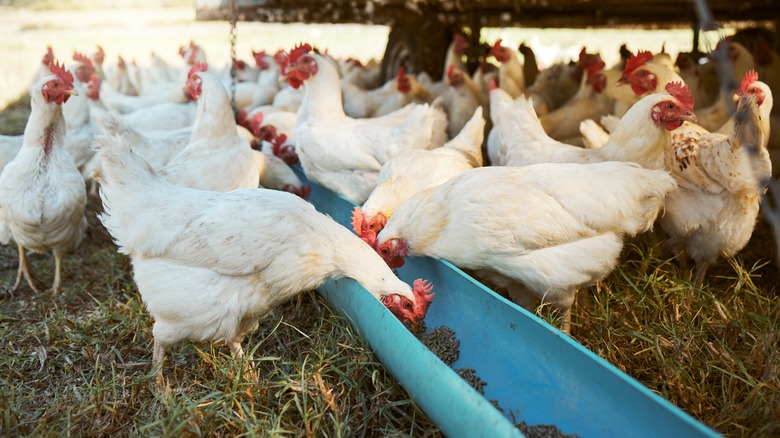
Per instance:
{"type": "Point", "coordinates": [715, 209]}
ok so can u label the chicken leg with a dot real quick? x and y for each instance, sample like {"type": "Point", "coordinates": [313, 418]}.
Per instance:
{"type": "Point", "coordinates": [55, 287]}
{"type": "Point", "coordinates": [701, 271]}
{"type": "Point", "coordinates": [24, 270]}
{"type": "Point", "coordinates": [158, 355]}
{"type": "Point", "coordinates": [237, 351]}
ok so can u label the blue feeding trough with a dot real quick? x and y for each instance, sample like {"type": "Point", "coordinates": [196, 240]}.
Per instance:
{"type": "Point", "coordinates": [533, 371]}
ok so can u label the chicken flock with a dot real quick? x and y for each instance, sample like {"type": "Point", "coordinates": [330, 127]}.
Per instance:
{"type": "Point", "coordinates": [530, 179]}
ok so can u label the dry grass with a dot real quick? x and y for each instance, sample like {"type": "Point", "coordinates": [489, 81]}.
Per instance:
{"type": "Point", "coordinates": [78, 363]}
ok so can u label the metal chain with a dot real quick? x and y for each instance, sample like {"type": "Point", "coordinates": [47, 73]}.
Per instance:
{"type": "Point", "coordinates": [233, 18]}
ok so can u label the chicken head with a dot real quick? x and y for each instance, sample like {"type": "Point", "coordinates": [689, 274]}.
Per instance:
{"type": "Point", "coordinates": [393, 252]}
{"type": "Point", "coordinates": [460, 46]}
{"type": "Point", "coordinates": [86, 69]}
{"type": "Point", "coordinates": [747, 88]}
{"type": "Point", "coordinates": [260, 60]}
{"type": "Point", "coordinates": [407, 311]}
{"type": "Point", "coordinates": [454, 77]}
{"type": "Point", "coordinates": [48, 57]}
{"type": "Point", "coordinates": [366, 227]}
{"type": "Point", "coordinates": [192, 88]}
{"type": "Point", "coordinates": [59, 89]}
{"type": "Point", "coordinates": [93, 87]}
{"type": "Point", "coordinates": [501, 53]}
{"type": "Point", "coordinates": [673, 112]}
{"type": "Point", "coordinates": [641, 80]}
{"type": "Point", "coordinates": [403, 84]}
{"type": "Point", "coordinates": [297, 66]}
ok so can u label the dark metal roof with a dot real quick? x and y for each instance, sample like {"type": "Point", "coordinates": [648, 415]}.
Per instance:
{"type": "Point", "coordinates": [531, 13]}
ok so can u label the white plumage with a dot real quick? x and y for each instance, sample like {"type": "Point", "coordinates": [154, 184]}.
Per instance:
{"type": "Point", "coordinates": [42, 193]}
{"type": "Point", "coordinates": [556, 227]}
{"type": "Point", "coordinates": [210, 265]}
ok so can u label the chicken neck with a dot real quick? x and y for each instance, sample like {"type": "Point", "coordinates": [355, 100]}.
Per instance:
{"type": "Point", "coordinates": [322, 95]}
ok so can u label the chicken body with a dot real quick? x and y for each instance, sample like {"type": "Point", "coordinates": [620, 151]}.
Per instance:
{"type": "Point", "coordinates": [406, 175]}
{"type": "Point", "coordinates": [558, 226]}
{"type": "Point", "coordinates": [346, 154]}
{"type": "Point", "coordinates": [715, 209]}
{"type": "Point", "coordinates": [216, 158]}
{"type": "Point", "coordinates": [9, 147]}
{"type": "Point", "coordinates": [42, 193]}
{"type": "Point", "coordinates": [641, 137]}
{"type": "Point", "coordinates": [202, 277]}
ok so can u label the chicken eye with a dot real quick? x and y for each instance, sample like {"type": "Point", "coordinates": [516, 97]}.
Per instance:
{"type": "Point", "coordinates": [408, 305]}
{"type": "Point", "coordinates": [669, 106]}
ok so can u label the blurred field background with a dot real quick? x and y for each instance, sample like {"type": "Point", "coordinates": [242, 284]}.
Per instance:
{"type": "Point", "coordinates": [134, 28]}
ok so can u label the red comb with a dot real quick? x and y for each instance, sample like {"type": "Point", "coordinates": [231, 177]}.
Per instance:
{"type": "Point", "coordinates": [681, 93]}
{"type": "Point", "coordinates": [422, 294]}
{"type": "Point", "coordinates": [298, 51]}
{"type": "Point", "coordinates": [63, 74]}
{"type": "Point", "coordinates": [747, 81]}
{"type": "Point", "coordinates": [280, 56]}
{"type": "Point", "coordinates": [260, 61]}
{"type": "Point", "coordinates": [255, 122]}
{"type": "Point", "coordinates": [80, 57]}
{"type": "Point", "coordinates": [496, 45]}
{"type": "Point", "coordinates": [459, 38]}
{"type": "Point", "coordinates": [401, 73]}
{"type": "Point", "coordinates": [100, 55]}
{"type": "Point", "coordinates": [641, 58]}
{"type": "Point", "coordinates": [197, 68]}
{"type": "Point", "coordinates": [357, 221]}
{"type": "Point", "coordinates": [48, 57]}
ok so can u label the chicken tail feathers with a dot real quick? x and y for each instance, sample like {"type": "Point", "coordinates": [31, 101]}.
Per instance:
{"type": "Point", "coordinates": [469, 139]}
{"type": "Point", "coordinates": [119, 164]}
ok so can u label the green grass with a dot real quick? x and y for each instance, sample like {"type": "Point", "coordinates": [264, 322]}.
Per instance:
{"type": "Point", "coordinates": [78, 363]}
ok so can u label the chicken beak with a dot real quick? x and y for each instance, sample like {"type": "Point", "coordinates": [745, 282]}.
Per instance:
{"type": "Point", "coordinates": [72, 92]}
{"type": "Point", "coordinates": [689, 117]}
{"type": "Point", "coordinates": [623, 81]}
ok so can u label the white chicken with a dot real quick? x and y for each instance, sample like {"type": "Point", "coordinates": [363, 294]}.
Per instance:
{"type": "Point", "coordinates": [510, 72]}
{"type": "Point", "coordinates": [42, 193]}
{"type": "Point", "coordinates": [714, 211]}
{"type": "Point", "coordinates": [460, 100]}
{"type": "Point", "coordinates": [216, 158]}
{"type": "Point", "coordinates": [342, 153]}
{"type": "Point", "coordinates": [406, 175]}
{"type": "Point", "coordinates": [590, 101]}
{"type": "Point", "coordinates": [645, 73]}
{"type": "Point", "coordinates": [203, 278]}
{"type": "Point", "coordinates": [643, 135]}
{"type": "Point", "coordinates": [558, 227]}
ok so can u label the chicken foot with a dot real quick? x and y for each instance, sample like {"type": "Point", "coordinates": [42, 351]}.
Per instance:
{"type": "Point", "coordinates": [24, 270]}
{"type": "Point", "coordinates": [238, 352]}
